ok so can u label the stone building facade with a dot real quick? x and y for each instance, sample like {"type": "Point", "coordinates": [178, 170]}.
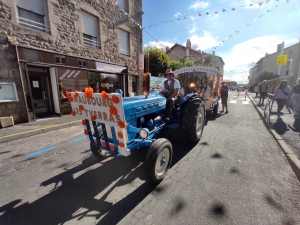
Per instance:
{"type": "Point", "coordinates": [50, 46]}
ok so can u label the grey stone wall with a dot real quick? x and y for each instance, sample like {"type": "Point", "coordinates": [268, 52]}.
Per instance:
{"type": "Point", "coordinates": [66, 30]}
{"type": "Point", "coordinates": [66, 38]}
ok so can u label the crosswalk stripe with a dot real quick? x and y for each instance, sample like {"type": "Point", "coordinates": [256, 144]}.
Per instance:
{"type": "Point", "coordinates": [233, 101]}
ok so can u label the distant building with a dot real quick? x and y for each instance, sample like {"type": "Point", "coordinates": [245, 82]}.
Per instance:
{"type": "Point", "coordinates": [177, 52]}
{"type": "Point", "coordinates": [230, 83]}
{"type": "Point", "coordinates": [269, 63]}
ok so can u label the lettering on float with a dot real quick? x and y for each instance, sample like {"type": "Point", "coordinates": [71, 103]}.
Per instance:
{"type": "Point", "coordinates": [96, 101]}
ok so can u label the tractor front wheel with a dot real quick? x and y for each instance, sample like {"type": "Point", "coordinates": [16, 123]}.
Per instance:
{"type": "Point", "coordinates": [158, 160]}
{"type": "Point", "coordinates": [97, 151]}
{"type": "Point", "coordinates": [193, 120]}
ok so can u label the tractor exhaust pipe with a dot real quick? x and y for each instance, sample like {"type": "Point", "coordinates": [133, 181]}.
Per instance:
{"type": "Point", "coordinates": [146, 84]}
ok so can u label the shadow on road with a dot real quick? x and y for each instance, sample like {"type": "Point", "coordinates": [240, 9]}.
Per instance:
{"type": "Point", "coordinates": [88, 189]}
{"type": "Point", "coordinates": [280, 126]}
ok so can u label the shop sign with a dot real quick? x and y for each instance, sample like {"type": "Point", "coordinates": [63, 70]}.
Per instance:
{"type": "Point", "coordinates": [107, 85]}
{"type": "Point", "coordinates": [69, 73]}
{"type": "Point", "coordinates": [8, 92]}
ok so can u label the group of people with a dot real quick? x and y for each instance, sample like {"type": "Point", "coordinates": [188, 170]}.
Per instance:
{"type": "Point", "coordinates": [282, 95]}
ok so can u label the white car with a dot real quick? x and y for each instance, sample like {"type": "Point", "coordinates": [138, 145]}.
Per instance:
{"type": "Point", "coordinates": [241, 88]}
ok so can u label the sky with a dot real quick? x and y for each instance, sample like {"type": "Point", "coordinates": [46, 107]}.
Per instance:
{"type": "Point", "coordinates": [239, 31]}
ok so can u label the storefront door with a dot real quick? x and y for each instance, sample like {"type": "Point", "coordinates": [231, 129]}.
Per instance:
{"type": "Point", "coordinates": [40, 85]}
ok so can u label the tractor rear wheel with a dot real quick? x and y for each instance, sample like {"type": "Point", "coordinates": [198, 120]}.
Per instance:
{"type": "Point", "coordinates": [97, 151]}
{"type": "Point", "coordinates": [158, 160]}
{"type": "Point", "coordinates": [193, 120]}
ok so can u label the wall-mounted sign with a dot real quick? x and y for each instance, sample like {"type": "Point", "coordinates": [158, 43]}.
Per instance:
{"type": "Point", "coordinates": [35, 84]}
{"type": "Point", "coordinates": [69, 73]}
{"type": "Point", "coordinates": [8, 92]}
{"type": "Point", "coordinates": [281, 60]}
{"type": "Point", "coordinates": [141, 61]}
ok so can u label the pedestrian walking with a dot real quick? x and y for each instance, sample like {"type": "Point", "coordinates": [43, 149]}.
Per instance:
{"type": "Point", "coordinates": [281, 96]}
{"type": "Point", "coordinates": [256, 90]}
{"type": "Point", "coordinates": [295, 93]}
{"type": "Point", "coordinates": [224, 97]}
{"type": "Point", "coordinates": [263, 90]}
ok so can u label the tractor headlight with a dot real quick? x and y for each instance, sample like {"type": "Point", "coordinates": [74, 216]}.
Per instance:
{"type": "Point", "coordinates": [144, 133]}
{"type": "Point", "coordinates": [192, 85]}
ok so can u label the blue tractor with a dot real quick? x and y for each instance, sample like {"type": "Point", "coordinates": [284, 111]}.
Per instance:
{"type": "Point", "coordinates": [145, 121]}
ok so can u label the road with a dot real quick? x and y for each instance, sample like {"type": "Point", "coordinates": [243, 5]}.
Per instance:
{"type": "Point", "coordinates": [236, 175]}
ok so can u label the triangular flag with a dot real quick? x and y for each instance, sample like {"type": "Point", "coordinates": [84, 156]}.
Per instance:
{"type": "Point", "coordinates": [269, 11]}
{"type": "Point", "coordinates": [254, 20]}
{"type": "Point", "coordinates": [149, 27]}
{"type": "Point", "coordinates": [248, 24]}
{"type": "Point", "coordinates": [216, 12]}
{"type": "Point", "coordinates": [260, 3]}
{"type": "Point", "coordinates": [244, 5]}
{"type": "Point", "coordinates": [207, 13]}
{"type": "Point", "coordinates": [267, 0]}
{"type": "Point", "coordinates": [178, 19]}
{"type": "Point", "coordinates": [261, 16]}
{"type": "Point", "coordinates": [237, 31]}
{"type": "Point", "coordinates": [251, 4]}
{"type": "Point", "coordinates": [277, 0]}
{"type": "Point", "coordinates": [276, 6]}
{"type": "Point", "coordinates": [199, 14]}
{"type": "Point", "coordinates": [233, 9]}
{"type": "Point", "coordinates": [184, 18]}
{"type": "Point", "coordinates": [223, 41]}
{"type": "Point", "coordinates": [230, 36]}
{"type": "Point", "coordinates": [214, 47]}
{"type": "Point", "coordinates": [224, 10]}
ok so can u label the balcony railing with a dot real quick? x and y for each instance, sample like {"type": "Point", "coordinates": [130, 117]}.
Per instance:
{"type": "Point", "coordinates": [33, 25]}
{"type": "Point", "coordinates": [90, 42]}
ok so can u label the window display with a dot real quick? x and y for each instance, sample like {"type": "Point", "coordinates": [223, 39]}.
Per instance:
{"type": "Point", "coordinates": [107, 82]}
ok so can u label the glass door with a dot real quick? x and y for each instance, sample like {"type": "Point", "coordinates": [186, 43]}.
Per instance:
{"type": "Point", "coordinates": [39, 83]}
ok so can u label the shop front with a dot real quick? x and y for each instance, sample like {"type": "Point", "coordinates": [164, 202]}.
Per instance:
{"type": "Point", "coordinates": [46, 80]}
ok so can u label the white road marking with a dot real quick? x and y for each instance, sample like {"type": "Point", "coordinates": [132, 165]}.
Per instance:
{"type": "Point", "coordinates": [233, 101]}
{"type": "Point", "coordinates": [245, 102]}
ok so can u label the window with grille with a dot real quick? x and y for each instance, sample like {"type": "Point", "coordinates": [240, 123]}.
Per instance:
{"type": "Point", "coordinates": [32, 14]}
{"type": "Point", "coordinates": [124, 42]}
{"type": "Point", "coordinates": [60, 59]}
{"type": "Point", "coordinates": [82, 63]}
{"type": "Point", "coordinates": [90, 29]}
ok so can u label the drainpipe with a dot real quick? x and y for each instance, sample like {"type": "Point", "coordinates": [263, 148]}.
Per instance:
{"type": "Point", "coordinates": [22, 82]}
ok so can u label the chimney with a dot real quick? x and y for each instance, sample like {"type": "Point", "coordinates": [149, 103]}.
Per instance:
{"type": "Point", "coordinates": [188, 43]}
{"type": "Point", "coordinates": [167, 49]}
{"type": "Point", "coordinates": [278, 48]}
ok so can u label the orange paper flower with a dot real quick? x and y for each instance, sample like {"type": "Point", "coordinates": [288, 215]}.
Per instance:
{"type": "Point", "coordinates": [104, 95]}
{"type": "Point", "coordinates": [93, 118]}
{"type": "Point", "coordinates": [112, 147]}
{"type": "Point", "coordinates": [70, 98]}
{"type": "Point", "coordinates": [121, 144]}
{"type": "Point", "coordinates": [120, 135]}
{"type": "Point", "coordinates": [103, 144]}
{"type": "Point", "coordinates": [83, 122]}
{"type": "Point", "coordinates": [73, 113]}
{"type": "Point", "coordinates": [88, 92]}
{"type": "Point", "coordinates": [115, 99]}
{"type": "Point", "coordinates": [68, 94]}
{"type": "Point", "coordinates": [113, 110]}
{"type": "Point", "coordinates": [81, 107]}
{"type": "Point", "coordinates": [86, 132]}
{"type": "Point", "coordinates": [76, 94]}
{"type": "Point", "coordinates": [121, 124]}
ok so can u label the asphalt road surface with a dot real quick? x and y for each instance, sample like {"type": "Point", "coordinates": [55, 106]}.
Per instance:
{"type": "Point", "coordinates": [236, 175]}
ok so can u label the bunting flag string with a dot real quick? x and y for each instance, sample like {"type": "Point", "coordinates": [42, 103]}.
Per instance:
{"type": "Point", "coordinates": [207, 13]}
{"type": "Point", "coordinates": [231, 36]}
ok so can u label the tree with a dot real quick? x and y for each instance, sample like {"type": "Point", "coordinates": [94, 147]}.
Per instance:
{"type": "Point", "coordinates": [175, 65]}
{"type": "Point", "coordinates": [266, 76]}
{"type": "Point", "coordinates": [158, 60]}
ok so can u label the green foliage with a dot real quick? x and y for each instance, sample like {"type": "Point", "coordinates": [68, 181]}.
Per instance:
{"type": "Point", "coordinates": [175, 65]}
{"type": "Point", "coordinates": [158, 60]}
{"type": "Point", "coordinates": [266, 76]}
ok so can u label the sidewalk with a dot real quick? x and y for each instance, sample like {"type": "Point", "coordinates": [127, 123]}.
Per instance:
{"type": "Point", "coordinates": [38, 127]}
{"type": "Point", "coordinates": [283, 131]}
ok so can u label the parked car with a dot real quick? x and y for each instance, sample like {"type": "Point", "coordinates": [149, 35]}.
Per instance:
{"type": "Point", "coordinates": [241, 88]}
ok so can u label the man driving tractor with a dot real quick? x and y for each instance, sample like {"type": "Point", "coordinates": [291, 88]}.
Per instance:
{"type": "Point", "coordinates": [171, 85]}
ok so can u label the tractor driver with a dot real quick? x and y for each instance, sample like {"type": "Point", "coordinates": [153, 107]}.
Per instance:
{"type": "Point", "coordinates": [172, 85]}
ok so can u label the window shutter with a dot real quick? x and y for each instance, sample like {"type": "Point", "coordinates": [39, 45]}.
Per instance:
{"type": "Point", "coordinates": [89, 24]}
{"type": "Point", "coordinates": [124, 42]}
{"type": "Point", "coordinates": [37, 6]}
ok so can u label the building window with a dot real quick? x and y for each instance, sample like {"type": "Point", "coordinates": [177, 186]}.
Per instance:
{"type": "Point", "coordinates": [90, 30]}
{"type": "Point", "coordinates": [124, 4]}
{"type": "Point", "coordinates": [82, 63]}
{"type": "Point", "coordinates": [286, 72]}
{"type": "Point", "coordinates": [32, 16]}
{"type": "Point", "coordinates": [60, 59]}
{"type": "Point", "coordinates": [124, 42]}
